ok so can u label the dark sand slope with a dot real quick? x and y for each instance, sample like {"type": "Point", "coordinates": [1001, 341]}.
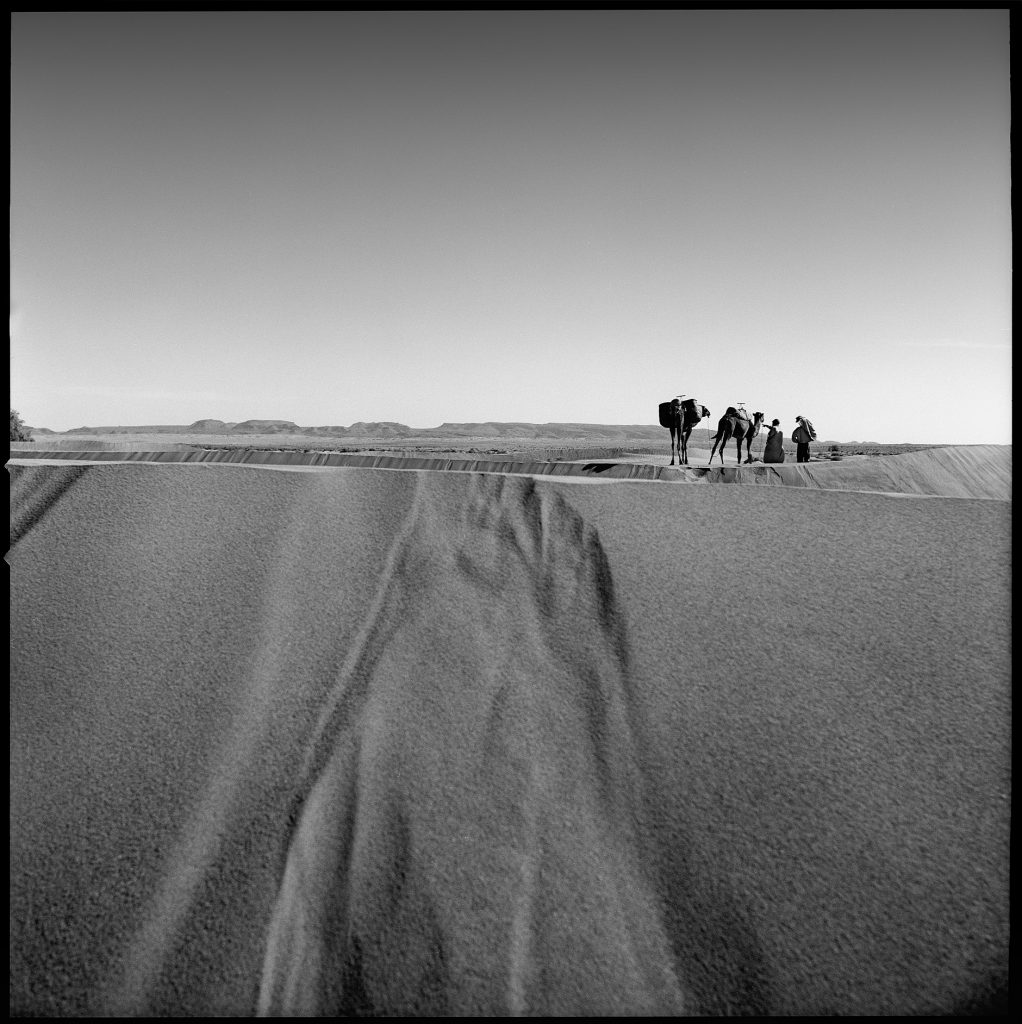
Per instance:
{"type": "Point", "coordinates": [427, 743]}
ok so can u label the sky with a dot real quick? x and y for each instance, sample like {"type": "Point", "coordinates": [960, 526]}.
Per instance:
{"type": "Point", "coordinates": [457, 216]}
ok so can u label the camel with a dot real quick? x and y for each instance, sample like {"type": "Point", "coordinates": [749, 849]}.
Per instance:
{"type": "Point", "coordinates": [680, 417]}
{"type": "Point", "coordinates": [735, 424]}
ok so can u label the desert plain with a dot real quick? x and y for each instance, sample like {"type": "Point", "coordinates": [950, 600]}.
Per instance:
{"type": "Point", "coordinates": [385, 731]}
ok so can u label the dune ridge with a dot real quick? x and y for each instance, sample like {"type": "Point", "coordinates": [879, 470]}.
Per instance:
{"type": "Point", "coordinates": [93, 444]}
{"type": "Point", "coordinates": [975, 471]}
{"type": "Point", "coordinates": [978, 471]}
{"type": "Point", "coordinates": [363, 742]}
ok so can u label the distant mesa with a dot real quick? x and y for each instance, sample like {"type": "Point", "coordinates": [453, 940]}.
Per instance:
{"type": "Point", "coordinates": [267, 427]}
{"type": "Point", "coordinates": [149, 428]}
{"type": "Point", "coordinates": [571, 434]}
{"type": "Point", "coordinates": [386, 428]}
{"type": "Point", "coordinates": [390, 429]}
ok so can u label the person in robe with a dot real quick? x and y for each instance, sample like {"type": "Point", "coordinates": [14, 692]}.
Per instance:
{"type": "Point", "coordinates": [774, 450]}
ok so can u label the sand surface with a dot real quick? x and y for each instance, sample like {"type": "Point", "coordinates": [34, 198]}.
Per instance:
{"type": "Point", "coordinates": [428, 743]}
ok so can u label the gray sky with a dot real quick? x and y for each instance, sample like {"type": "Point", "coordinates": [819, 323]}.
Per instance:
{"type": "Point", "coordinates": [541, 216]}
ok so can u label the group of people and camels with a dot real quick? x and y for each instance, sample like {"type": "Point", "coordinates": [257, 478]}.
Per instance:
{"type": "Point", "coordinates": [682, 415]}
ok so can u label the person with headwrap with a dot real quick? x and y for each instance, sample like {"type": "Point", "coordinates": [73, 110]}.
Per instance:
{"type": "Point", "coordinates": [774, 450]}
{"type": "Point", "coordinates": [802, 435]}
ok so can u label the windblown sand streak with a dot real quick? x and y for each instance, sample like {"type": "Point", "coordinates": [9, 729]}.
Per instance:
{"type": "Point", "coordinates": [493, 724]}
{"type": "Point", "coordinates": [359, 742]}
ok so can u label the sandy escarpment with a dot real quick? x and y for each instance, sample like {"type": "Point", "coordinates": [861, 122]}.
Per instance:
{"type": "Point", "coordinates": [978, 471]}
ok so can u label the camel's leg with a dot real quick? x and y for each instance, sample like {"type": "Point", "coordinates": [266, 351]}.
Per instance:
{"type": "Point", "coordinates": [672, 445]}
{"type": "Point", "coordinates": [722, 441]}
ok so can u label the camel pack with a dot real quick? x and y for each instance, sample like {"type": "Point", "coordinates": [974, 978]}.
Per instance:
{"type": "Point", "coordinates": [669, 416]}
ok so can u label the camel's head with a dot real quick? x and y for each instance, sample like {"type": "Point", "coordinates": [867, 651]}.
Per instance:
{"type": "Point", "coordinates": [706, 412]}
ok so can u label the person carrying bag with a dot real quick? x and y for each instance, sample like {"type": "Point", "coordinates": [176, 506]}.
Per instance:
{"type": "Point", "coordinates": [804, 433]}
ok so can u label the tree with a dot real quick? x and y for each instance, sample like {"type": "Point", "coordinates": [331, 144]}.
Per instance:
{"type": "Point", "coordinates": [18, 430]}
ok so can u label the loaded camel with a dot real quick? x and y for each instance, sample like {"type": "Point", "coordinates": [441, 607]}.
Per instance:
{"type": "Point", "coordinates": [736, 424]}
{"type": "Point", "coordinates": [680, 417]}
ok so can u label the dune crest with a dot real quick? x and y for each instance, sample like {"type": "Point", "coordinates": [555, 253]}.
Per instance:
{"type": "Point", "coordinates": [976, 471]}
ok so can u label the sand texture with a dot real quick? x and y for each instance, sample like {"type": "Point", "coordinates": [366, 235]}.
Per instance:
{"type": "Point", "coordinates": [356, 742]}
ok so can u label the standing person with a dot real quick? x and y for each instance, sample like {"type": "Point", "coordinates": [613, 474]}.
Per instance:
{"type": "Point", "coordinates": [802, 435]}
{"type": "Point", "coordinates": [774, 451]}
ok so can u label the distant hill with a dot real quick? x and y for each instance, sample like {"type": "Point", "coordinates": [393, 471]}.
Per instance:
{"type": "Point", "coordinates": [266, 427]}
{"type": "Point", "coordinates": [210, 426]}
{"type": "Point", "coordinates": [148, 428]}
{"type": "Point", "coordinates": [497, 433]}
{"type": "Point", "coordinates": [386, 428]}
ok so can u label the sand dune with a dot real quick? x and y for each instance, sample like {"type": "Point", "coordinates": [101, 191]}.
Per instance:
{"type": "Point", "coordinates": [364, 742]}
